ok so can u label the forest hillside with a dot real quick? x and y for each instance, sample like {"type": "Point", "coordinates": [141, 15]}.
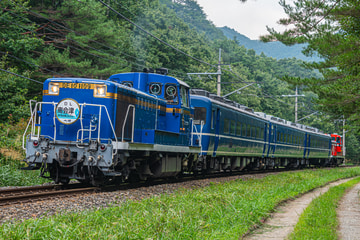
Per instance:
{"type": "Point", "coordinates": [95, 39]}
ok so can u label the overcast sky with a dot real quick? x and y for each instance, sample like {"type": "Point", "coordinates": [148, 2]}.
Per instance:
{"type": "Point", "coordinates": [249, 18]}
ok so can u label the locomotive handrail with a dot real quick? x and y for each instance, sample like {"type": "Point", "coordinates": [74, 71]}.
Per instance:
{"type": "Point", "coordinates": [199, 135]}
{"type": "Point", "coordinates": [156, 113]}
{"type": "Point", "coordinates": [30, 121]}
{"type": "Point", "coordinates": [99, 129]}
{"type": "Point", "coordinates": [125, 121]}
{"type": "Point", "coordinates": [38, 105]}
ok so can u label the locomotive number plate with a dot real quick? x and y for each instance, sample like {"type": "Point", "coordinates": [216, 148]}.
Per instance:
{"type": "Point", "coordinates": [76, 85]}
{"type": "Point", "coordinates": [67, 111]}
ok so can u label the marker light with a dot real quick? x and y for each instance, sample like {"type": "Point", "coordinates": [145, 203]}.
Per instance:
{"type": "Point", "coordinates": [102, 147]}
{"type": "Point", "coordinates": [100, 91]}
{"type": "Point", "coordinates": [35, 143]}
{"type": "Point", "coordinates": [54, 88]}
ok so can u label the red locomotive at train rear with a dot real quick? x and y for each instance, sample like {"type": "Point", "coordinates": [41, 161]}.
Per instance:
{"type": "Point", "coordinates": [336, 145]}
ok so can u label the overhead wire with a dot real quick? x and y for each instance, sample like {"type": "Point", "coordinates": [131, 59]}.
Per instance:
{"type": "Point", "coordinates": [71, 46]}
{"type": "Point", "coordinates": [79, 44]}
{"type": "Point", "coordinates": [153, 36]}
{"type": "Point", "coordinates": [18, 75]}
{"type": "Point", "coordinates": [124, 8]}
{"type": "Point", "coordinates": [30, 63]}
{"type": "Point", "coordinates": [77, 33]}
{"type": "Point", "coordinates": [64, 27]}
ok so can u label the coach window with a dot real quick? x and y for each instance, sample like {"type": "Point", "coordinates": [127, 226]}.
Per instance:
{"type": "Point", "coordinates": [243, 129]}
{"type": "Point", "coordinates": [184, 96]}
{"type": "Point", "coordinates": [226, 125]}
{"type": "Point", "coordinates": [199, 115]}
{"type": "Point", "coordinates": [171, 94]}
{"type": "Point", "coordinates": [238, 128]}
{"type": "Point", "coordinates": [253, 132]}
{"type": "Point", "coordinates": [212, 119]}
{"type": "Point", "coordinates": [232, 127]}
{"type": "Point", "coordinates": [248, 130]}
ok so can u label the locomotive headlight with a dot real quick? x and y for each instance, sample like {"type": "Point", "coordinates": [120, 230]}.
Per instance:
{"type": "Point", "coordinates": [100, 91]}
{"type": "Point", "coordinates": [54, 88]}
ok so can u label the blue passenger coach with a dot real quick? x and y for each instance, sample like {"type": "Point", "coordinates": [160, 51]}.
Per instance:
{"type": "Point", "coordinates": [234, 137]}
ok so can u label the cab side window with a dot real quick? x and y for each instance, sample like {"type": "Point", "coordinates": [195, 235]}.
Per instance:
{"type": "Point", "coordinates": [184, 96]}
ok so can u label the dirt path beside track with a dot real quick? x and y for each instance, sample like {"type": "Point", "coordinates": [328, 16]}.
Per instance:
{"type": "Point", "coordinates": [283, 221]}
{"type": "Point", "coordinates": [349, 215]}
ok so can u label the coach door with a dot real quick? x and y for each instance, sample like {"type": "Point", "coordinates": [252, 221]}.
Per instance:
{"type": "Point", "coordinates": [273, 137]}
{"type": "Point", "coordinates": [307, 142]}
{"type": "Point", "coordinates": [217, 131]}
{"type": "Point", "coordinates": [266, 145]}
{"type": "Point", "coordinates": [269, 139]}
{"type": "Point", "coordinates": [271, 143]}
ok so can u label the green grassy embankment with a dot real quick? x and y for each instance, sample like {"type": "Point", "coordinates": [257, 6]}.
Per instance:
{"type": "Point", "coordinates": [220, 211]}
{"type": "Point", "coordinates": [11, 154]}
{"type": "Point", "coordinates": [319, 220]}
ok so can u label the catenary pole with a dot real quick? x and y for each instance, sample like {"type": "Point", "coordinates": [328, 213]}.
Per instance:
{"type": "Point", "coordinates": [219, 75]}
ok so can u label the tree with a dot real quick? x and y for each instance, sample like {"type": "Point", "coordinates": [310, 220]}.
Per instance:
{"type": "Point", "coordinates": [17, 46]}
{"type": "Point", "coordinates": [13, 89]}
{"type": "Point", "coordinates": [332, 30]}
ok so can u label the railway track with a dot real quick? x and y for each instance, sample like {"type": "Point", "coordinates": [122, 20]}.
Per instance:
{"type": "Point", "coordinates": [13, 196]}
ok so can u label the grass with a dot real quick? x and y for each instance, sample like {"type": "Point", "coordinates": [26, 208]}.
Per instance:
{"type": "Point", "coordinates": [12, 175]}
{"type": "Point", "coordinates": [220, 211]}
{"type": "Point", "coordinates": [11, 154]}
{"type": "Point", "coordinates": [319, 221]}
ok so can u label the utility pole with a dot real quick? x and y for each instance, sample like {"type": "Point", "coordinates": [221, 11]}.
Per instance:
{"type": "Point", "coordinates": [343, 143]}
{"type": "Point", "coordinates": [296, 101]}
{"type": "Point", "coordinates": [219, 75]}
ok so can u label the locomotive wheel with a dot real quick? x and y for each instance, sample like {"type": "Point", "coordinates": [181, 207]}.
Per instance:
{"type": "Point", "coordinates": [97, 182]}
{"type": "Point", "coordinates": [64, 181]}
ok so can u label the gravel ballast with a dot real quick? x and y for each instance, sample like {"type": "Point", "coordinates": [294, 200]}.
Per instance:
{"type": "Point", "coordinates": [103, 199]}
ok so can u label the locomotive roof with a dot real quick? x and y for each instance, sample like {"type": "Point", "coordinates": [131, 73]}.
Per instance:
{"type": "Point", "coordinates": [100, 81]}
{"type": "Point", "coordinates": [241, 108]}
{"type": "Point", "coordinates": [154, 77]}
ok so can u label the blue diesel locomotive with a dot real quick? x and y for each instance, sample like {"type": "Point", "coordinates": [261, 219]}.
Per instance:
{"type": "Point", "coordinates": [94, 130]}
{"type": "Point", "coordinates": [147, 125]}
